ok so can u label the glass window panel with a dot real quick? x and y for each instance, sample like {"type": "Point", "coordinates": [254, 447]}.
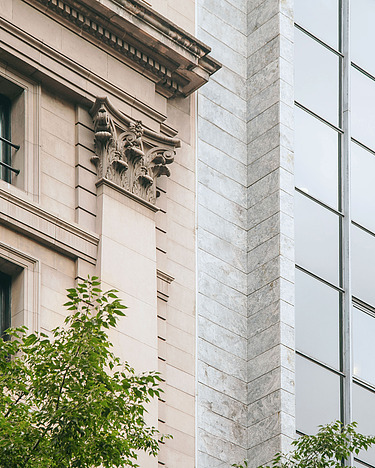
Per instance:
{"type": "Point", "coordinates": [363, 265]}
{"type": "Point", "coordinates": [364, 414]}
{"type": "Point", "coordinates": [316, 238]}
{"type": "Point", "coordinates": [316, 158]}
{"type": "Point", "coordinates": [317, 319]}
{"type": "Point", "coordinates": [363, 113]}
{"type": "Point", "coordinates": [317, 396]}
{"type": "Point", "coordinates": [316, 77]}
{"type": "Point", "coordinates": [320, 17]}
{"type": "Point", "coordinates": [363, 187]}
{"type": "Point", "coordinates": [363, 345]}
{"type": "Point", "coordinates": [362, 33]}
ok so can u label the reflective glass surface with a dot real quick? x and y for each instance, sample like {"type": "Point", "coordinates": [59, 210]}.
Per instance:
{"type": "Point", "coordinates": [317, 319]}
{"type": "Point", "coordinates": [363, 115]}
{"type": "Point", "coordinates": [364, 414]}
{"type": "Point", "coordinates": [316, 238]}
{"type": "Point", "coordinates": [362, 34]}
{"type": "Point", "coordinates": [317, 396]}
{"type": "Point", "coordinates": [316, 158]}
{"type": "Point", "coordinates": [363, 265]}
{"type": "Point", "coordinates": [363, 187]}
{"type": "Point", "coordinates": [363, 345]}
{"type": "Point", "coordinates": [320, 17]}
{"type": "Point", "coordinates": [316, 77]}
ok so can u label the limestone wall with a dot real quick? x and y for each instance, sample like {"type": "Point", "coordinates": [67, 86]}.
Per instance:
{"type": "Point", "coordinates": [245, 234]}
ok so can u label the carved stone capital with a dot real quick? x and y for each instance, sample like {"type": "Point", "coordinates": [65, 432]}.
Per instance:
{"type": "Point", "coordinates": [128, 154]}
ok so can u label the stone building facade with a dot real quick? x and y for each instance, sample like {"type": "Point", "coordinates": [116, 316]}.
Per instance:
{"type": "Point", "coordinates": [229, 203]}
{"type": "Point", "coordinates": [98, 177]}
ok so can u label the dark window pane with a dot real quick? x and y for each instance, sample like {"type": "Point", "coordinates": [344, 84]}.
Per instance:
{"type": "Point", "coordinates": [317, 238]}
{"type": "Point", "coordinates": [363, 265]}
{"type": "Point", "coordinates": [363, 114]}
{"type": "Point", "coordinates": [317, 319]}
{"type": "Point", "coordinates": [363, 345]}
{"type": "Point", "coordinates": [5, 173]}
{"type": "Point", "coordinates": [363, 187]}
{"type": "Point", "coordinates": [362, 33]}
{"type": "Point", "coordinates": [364, 414]}
{"type": "Point", "coordinates": [316, 77]}
{"type": "Point", "coordinates": [317, 396]}
{"type": "Point", "coordinates": [4, 303]}
{"type": "Point", "coordinates": [320, 17]}
{"type": "Point", "coordinates": [316, 158]}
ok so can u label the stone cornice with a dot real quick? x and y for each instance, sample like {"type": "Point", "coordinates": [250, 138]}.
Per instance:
{"type": "Point", "coordinates": [175, 60]}
{"type": "Point", "coordinates": [29, 218]}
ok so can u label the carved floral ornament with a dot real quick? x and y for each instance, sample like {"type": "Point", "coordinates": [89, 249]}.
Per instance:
{"type": "Point", "coordinates": [129, 155]}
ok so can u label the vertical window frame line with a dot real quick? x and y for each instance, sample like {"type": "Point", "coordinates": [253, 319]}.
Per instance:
{"type": "Point", "coordinates": [5, 306]}
{"type": "Point", "coordinates": [346, 221]}
{"type": "Point", "coordinates": [5, 132]}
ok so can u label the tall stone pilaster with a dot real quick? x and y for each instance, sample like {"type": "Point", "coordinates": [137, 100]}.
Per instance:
{"type": "Point", "coordinates": [270, 229]}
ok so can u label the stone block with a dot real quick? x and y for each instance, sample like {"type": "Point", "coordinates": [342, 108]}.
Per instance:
{"type": "Point", "coordinates": [222, 118]}
{"type": "Point", "coordinates": [217, 313]}
{"type": "Point", "coordinates": [223, 294]}
{"type": "Point", "coordinates": [226, 98]}
{"type": "Point", "coordinates": [223, 272]}
{"type": "Point", "coordinates": [219, 336]}
{"type": "Point", "coordinates": [211, 134]}
{"type": "Point", "coordinates": [223, 250]}
{"type": "Point", "coordinates": [222, 382]}
{"type": "Point", "coordinates": [222, 360]}
{"type": "Point", "coordinates": [222, 162]}
{"type": "Point", "coordinates": [219, 182]}
{"type": "Point", "coordinates": [221, 227]}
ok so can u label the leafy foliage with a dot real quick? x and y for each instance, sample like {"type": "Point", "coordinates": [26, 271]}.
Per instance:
{"type": "Point", "coordinates": [333, 444]}
{"type": "Point", "coordinates": [66, 400]}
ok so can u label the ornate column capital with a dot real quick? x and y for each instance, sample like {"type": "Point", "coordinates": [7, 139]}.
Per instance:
{"type": "Point", "coordinates": [128, 154]}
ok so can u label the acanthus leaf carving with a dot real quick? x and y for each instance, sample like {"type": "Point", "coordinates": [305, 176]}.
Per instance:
{"type": "Point", "coordinates": [127, 154]}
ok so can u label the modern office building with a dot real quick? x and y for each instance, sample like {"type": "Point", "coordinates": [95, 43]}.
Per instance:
{"type": "Point", "coordinates": [232, 207]}
{"type": "Point", "coordinates": [286, 227]}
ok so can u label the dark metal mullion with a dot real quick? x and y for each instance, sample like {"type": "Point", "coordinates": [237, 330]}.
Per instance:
{"type": "Point", "coordinates": [321, 119]}
{"type": "Point", "coordinates": [359, 226]}
{"type": "Point", "coordinates": [17, 171]}
{"type": "Point", "coordinates": [7, 142]}
{"type": "Point", "coordinates": [312, 36]}
{"type": "Point", "coordinates": [322, 280]}
{"type": "Point", "coordinates": [320, 363]}
{"type": "Point", "coordinates": [319, 202]}
{"type": "Point", "coordinates": [363, 146]}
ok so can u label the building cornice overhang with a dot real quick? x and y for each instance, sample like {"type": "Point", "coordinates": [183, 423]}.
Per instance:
{"type": "Point", "coordinates": [175, 60]}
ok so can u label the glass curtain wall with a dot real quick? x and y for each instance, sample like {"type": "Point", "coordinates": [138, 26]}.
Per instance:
{"type": "Point", "coordinates": [335, 214]}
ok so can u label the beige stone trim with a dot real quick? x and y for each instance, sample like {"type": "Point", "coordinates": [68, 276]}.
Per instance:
{"type": "Point", "coordinates": [30, 280]}
{"type": "Point", "coordinates": [132, 196]}
{"type": "Point", "coordinates": [30, 219]}
{"type": "Point", "coordinates": [177, 61]}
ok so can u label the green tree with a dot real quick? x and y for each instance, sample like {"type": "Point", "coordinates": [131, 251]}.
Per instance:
{"type": "Point", "coordinates": [66, 400]}
{"type": "Point", "coordinates": [329, 448]}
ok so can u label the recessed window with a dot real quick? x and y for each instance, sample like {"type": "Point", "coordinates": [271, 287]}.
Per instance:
{"type": "Point", "coordinates": [19, 130]}
{"type": "Point", "coordinates": [5, 162]}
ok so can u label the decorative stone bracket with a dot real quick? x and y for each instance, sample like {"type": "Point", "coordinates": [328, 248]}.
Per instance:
{"type": "Point", "coordinates": [128, 154]}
